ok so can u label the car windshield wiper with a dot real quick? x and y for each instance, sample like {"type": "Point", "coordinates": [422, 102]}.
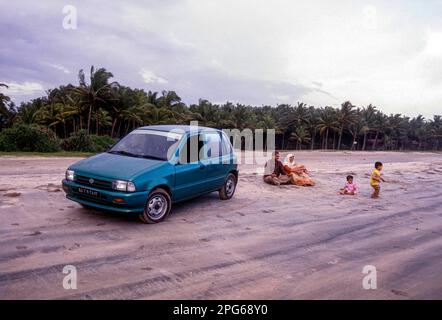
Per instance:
{"type": "Point", "coordinates": [153, 157]}
{"type": "Point", "coordinates": [125, 153]}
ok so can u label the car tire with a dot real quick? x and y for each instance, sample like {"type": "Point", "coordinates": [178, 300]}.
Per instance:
{"type": "Point", "coordinates": [157, 207]}
{"type": "Point", "coordinates": [228, 189]}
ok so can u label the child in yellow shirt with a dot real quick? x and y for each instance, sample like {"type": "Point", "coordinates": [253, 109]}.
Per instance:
{"type": "Point", "coordinates": [375, 179]}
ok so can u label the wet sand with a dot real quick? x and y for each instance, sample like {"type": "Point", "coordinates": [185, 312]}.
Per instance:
{"type": "Point", "coordinates": [266, 243]}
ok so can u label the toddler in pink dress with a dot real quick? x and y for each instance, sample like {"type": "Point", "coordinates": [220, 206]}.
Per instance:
{"type": "Point", "coordinates": [350, 188]}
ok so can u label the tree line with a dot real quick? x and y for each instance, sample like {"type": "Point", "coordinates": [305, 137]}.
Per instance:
{"type": "Point", "coordinates": [104, 107]}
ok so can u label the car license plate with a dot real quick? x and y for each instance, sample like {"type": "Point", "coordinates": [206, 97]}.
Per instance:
{"type": "Point", "coordinates": [89, 192]}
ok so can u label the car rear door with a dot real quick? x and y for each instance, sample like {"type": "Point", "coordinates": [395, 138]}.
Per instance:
{"type": "Point", "coordinates": [215, 168]}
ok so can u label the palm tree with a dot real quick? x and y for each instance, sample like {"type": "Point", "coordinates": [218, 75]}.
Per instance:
{"type": "Point", "coordinates": [96, 92]}
{"type": "Point", "coordinates": [4, 110]}
{"type": "Point", "coordinates": [69, 114]}
{"type": "Point", "coordinates": [300, 114]}
{"type": "Point", "coordinates": [281, 122]}
{"type": "Point", "coordinates": [356, 127]}
{"type": "Point", "coordinates": [368, 115]}
{"type": "Point", "coordinates": [50, 115]}
{"type": "Point", "coordinates": [312, 125]}
{"type": "Point", "coordinates": [161, 116]}
{"type": "Point", "coordinates": [134, 117]}
{"type": "Point", "coordinates": [267, 122]}
{"type": "Point", "coordinates": [3, 99]}
{"type": "Point", "coordinates": [346, 116]}
{"type": "Point", "coordinates": [208, 113]}
{"type": "Point", "coordinates": [327, 122]}
{"type": "Point", "coordinates": [436, 131]}
{"type": "Point", "coordinates": [397, 129]}
{"type": "Point", "coordinates": [113, 109]}
{"type": "Point", "coordinates": [122, 99]}
{"type": "Point", "coordinates": [296, 116]}
{"type": "Point", "coordinates": [380, 123]}
{"type": "Point", "coordinates": [102, 119]}
{"type": "Point", "coordinates": [241, 117]}
{"type": "Point", "coordinates": [300, 135]}
{"type": "Point", "coordinates": [26, 113]}
{"type": "Point", "coordinates": [168, 99]}
{"type": "Point", "coordinates": [419, 130]}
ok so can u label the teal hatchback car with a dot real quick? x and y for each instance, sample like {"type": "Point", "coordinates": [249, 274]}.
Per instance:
{"type": "Point", "coordinates": [153, 167]}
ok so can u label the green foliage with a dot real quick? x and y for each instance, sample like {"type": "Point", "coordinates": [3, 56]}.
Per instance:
{"type": "Point", "coordinates": [33, 138]}
{"type": "Point", "coordinates": [101, 107]}
{"type": "Point", "coordinates": [101, 143]}
{"type": "Point", "coordinates": [83, 142]}
{"type": "Point", "coordinates": [78, 141]}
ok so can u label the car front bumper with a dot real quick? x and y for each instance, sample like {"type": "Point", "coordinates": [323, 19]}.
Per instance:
{"type": "Point", "coordinates": [128, 202]}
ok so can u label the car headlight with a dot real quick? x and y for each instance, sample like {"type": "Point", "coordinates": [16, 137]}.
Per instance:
{"type": "Point", "coordinates": [131, 187]}
{"type": "Point", "coordinates": [70, 175]}
{"type": "Point", "coordinates": [121, 185]}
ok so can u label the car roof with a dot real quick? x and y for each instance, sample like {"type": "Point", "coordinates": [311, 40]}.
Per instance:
{"type": "Point", "coordinates": [185, 128]}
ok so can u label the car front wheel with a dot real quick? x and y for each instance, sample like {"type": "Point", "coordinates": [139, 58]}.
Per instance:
{"type": "Point", "coordinates": [229, 187]}
{"type": "Point", "coordinates": [157, 207]}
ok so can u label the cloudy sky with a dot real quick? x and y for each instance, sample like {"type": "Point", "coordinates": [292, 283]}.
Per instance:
{"type": "Point", "coordinates": [388, 53]}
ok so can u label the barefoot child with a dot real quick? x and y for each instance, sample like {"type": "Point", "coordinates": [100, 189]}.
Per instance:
{"type": "Point", "coordinates": [375, 180]}
{"type": "Point", "coordinates": [350, 188]}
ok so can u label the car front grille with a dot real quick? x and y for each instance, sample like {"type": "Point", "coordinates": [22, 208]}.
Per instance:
{"type": "Point", "coordinates": [92, 182]}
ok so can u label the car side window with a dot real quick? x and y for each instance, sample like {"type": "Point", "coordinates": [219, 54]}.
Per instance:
{"type": "Point", "coordinates": [190, 152]}
{"type": "Point", "coordinates": [212, 144]}
{"type": "Point", "coordinates": [226, 145]}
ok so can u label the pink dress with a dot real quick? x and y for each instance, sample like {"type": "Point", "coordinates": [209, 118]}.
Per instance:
{"type": "Point", "coordinates": [351, 187]}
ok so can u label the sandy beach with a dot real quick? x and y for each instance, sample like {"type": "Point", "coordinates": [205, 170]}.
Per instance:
{"type": "Point", "coordinates": [267, 242]}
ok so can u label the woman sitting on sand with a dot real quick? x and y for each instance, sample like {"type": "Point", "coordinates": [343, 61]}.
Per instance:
{"type": "Point", "coordinates": [298, 172]}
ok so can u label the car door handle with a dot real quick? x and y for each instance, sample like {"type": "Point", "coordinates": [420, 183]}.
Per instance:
{"type": "Point", "coordinates": [202, 167]}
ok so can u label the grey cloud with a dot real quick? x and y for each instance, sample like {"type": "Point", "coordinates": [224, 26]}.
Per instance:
{"type": "Point", "coordinates": [224, 59]}
{"type": "Point", "coordinates": [103, 39]}
{"type": "Point", "coordinates": [217, 86]}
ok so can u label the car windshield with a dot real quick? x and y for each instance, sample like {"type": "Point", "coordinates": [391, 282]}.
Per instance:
{"type": "Point", "coordinates": [149, 144]}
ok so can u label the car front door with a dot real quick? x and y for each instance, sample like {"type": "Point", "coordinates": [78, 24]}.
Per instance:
{"type": "Point", "coordinates": [190, 172]}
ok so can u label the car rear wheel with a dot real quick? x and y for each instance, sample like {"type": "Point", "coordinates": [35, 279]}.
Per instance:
{"type": "Point", "coordinates": [157, 207]}
{"type": "Point", "coordinates": [229, 187]}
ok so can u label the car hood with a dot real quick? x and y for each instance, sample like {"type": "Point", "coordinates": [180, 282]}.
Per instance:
{"type": "Point", "coordinates": [114, 166]}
